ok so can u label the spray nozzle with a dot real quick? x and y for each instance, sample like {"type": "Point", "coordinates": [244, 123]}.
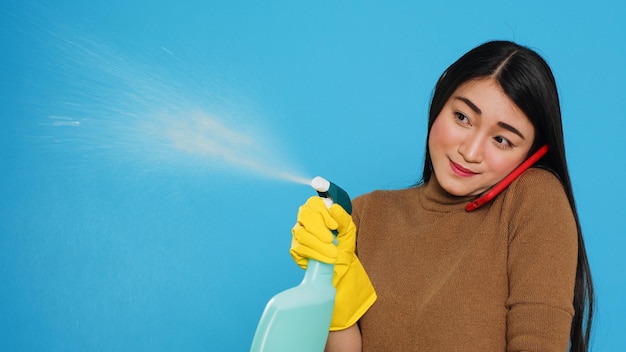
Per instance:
{"type": "Point", "coordinates": [320, 184]}
{"type": "Point", "coordinates": [329, 190]}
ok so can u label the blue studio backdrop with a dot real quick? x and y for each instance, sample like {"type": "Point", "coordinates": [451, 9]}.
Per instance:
{"type": "Point", "coordinates": [154, 154]}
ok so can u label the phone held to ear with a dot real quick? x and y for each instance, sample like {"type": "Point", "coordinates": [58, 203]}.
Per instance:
{"type": "Point", "coordinates": [500, 186]}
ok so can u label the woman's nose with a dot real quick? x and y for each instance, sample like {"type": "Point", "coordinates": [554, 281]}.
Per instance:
{"type": "Point", "coordinates": [471, 149]}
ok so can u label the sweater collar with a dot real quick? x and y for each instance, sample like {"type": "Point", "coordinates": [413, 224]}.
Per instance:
{"type": "Point", "coordinates": [435, 198]}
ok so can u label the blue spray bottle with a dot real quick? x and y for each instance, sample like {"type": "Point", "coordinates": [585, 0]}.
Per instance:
{"type": "Point", "coordinates": [298, 319]}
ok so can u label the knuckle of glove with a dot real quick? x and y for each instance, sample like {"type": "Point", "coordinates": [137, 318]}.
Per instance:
{"type": "Point", "coordinates": [305, 253]}
{"type": "Point", "coordinates": [316, 204]}
{"type": "Point", "coordinates": [313, 222]}
{"type": "Point", "coordinates": [310, 246]}
{"type": "Point", "coordinates": [297, 256]}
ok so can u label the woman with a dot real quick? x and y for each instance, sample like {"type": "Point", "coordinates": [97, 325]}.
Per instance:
{"type": "Point", "coordinates": [511, 275]}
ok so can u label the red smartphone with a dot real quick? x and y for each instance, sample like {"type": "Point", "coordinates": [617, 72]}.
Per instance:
{"type": "Point", "coordinates": [500, 186]}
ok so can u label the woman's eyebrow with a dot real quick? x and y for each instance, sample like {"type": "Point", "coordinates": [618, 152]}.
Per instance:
{"type": "Point", "coordinates": [470, 104]}
{"type": "Point", "coordinates": [508, 127]}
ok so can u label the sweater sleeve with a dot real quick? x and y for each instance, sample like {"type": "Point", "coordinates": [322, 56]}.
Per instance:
{"type": "Point", "coordinates": [541, 263]}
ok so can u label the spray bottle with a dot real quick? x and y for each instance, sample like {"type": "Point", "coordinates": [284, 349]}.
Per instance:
{"type": "Point", "coordinates": [298, 319]}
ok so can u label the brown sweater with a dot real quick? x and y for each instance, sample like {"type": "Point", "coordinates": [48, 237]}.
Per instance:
{"type": "Point", "coordinates": [500, 278]}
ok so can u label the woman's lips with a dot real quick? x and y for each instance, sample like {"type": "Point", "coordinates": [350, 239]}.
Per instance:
{"type": "Point", "coordinates": [460, 170]}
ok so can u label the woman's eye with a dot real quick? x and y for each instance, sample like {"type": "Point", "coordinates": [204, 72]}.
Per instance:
{"type": "Point", "coordinates": [461, 118]}
{"type": "Point", "coordinates": [502, 142]}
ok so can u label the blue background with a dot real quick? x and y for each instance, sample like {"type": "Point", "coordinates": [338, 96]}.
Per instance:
{"type": "Point", "coordinates": [114, 236]}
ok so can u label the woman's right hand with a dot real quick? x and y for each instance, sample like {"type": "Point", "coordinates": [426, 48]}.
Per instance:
{"type": "Point", "coordinates": [313, 238]}
{"type": "Point", "coordinates": [312, 234]}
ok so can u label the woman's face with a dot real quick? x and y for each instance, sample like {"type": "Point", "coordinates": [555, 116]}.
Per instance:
{"type": "Point", "coordinates": [478, 138]}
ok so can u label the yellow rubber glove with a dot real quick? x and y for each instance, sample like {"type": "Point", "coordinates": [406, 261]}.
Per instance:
{"type": "Point", "coordinates": [312, 238]}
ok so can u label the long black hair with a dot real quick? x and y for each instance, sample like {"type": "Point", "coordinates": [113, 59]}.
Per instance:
{"type": "Point", "coordinates": [528, 81]}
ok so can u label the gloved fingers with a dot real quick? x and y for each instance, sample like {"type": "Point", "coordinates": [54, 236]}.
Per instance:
{"type": "Point", "coordinates": [301, 260]}
{"type": "Point", "coordinates": [309, 245]}
{"type": "Point", "coordinates": [317, 204]}
{"type": "Point", "coordinates": [316, 219]}
{"type": "Point", "coordinates": [300, 253]}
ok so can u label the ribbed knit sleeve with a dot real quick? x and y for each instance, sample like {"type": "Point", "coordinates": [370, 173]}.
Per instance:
{"type": "Point", "coordinates": [542, 260]}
